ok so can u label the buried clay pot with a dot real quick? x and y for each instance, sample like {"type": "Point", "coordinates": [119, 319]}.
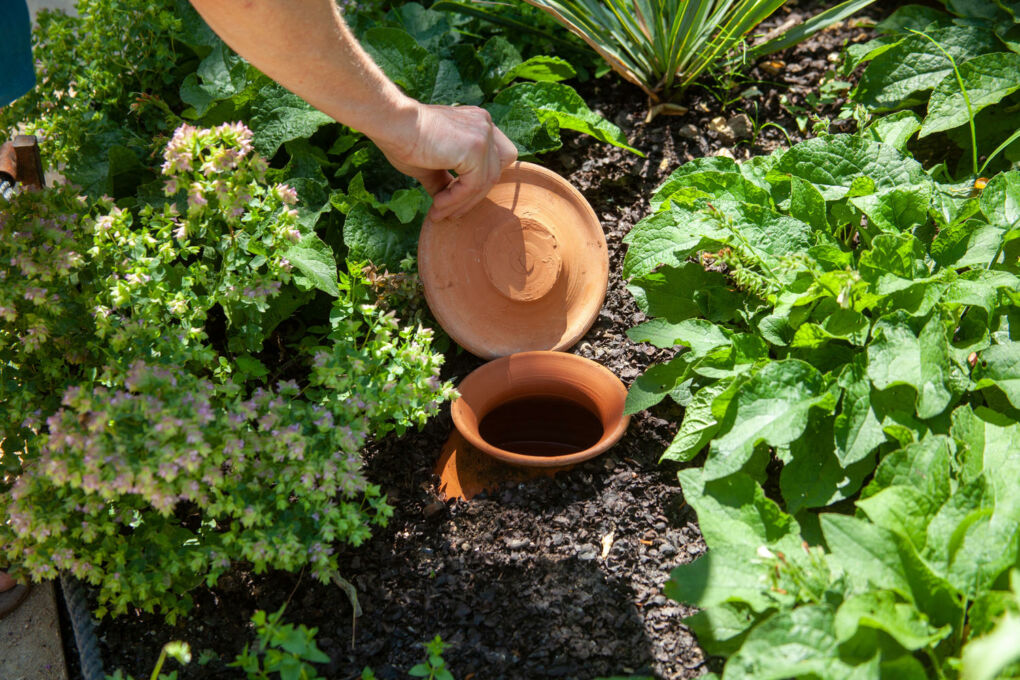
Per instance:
{"type": "Point", "coordinates": [525, 269]}
{"type": "Point", "coordinates": [541, 409]}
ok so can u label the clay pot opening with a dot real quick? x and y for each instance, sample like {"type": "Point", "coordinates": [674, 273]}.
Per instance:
{"type": "Point", "coordinates": [541, 409]}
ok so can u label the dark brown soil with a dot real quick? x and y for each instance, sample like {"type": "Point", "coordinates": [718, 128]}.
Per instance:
{"type": "Point", "coordinates": [558, 578]}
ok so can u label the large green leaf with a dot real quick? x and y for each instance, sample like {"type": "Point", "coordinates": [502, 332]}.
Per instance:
{"type": "Point", "coordinates": [382, 241]}
{"type": "Point", "coordinates": [987, 78]}
{"type": "Point", "coordinates": [519, 122]}
{"type": "Point", "coordinates": [833, 162]}
{"type": "Point", "coordinates": [813, 476]}
{"type": "Point", "coordinates": [772, 407]}
{"type": "Point", "coordinates": [223, 75]}
{"type": "Point", "coordinates": [882, 610]}
{"type": "Point", "coordinates": [699, 424]}
{"type": "Point", "coordinates": [724, 574]}
{"type": "Point", "coordinates": [419, 72]}
{"type": "Point", "coordinates": [899, 356]}
{"type": "Point", "coordinates": [1000, 200]}
{"type": "Point", "coordinates": [896, 129]}
{"type": "Point", "coordinates": [798, 643]}
{"type": "Point", "coordinates": [562, 104]}
{"type": "Point", "coordinates": [729, 184]}
{"type": "Point", "coordinates": [314, 261]}
{"type": "Point", "coordinates": [654, 384]}
{"type": "Point", "coordinates": [689, 290]}
{"type": "Point", "coordinates": [279, 116]}
{"type": "Point", "coordinates": [699, 335]}
{"type": "Point", "coordinates": [999, 365]}
{"type": "Point", "coordinates": [874, 557]}
{"type": "Point", "coordinates": [734, 511]}
{"type": "Point", "coordinates": [895, 77]}
{"type": "Point", "coordinates": [858, 428]}
{"type": "Point", "coordinates": [668, 237]}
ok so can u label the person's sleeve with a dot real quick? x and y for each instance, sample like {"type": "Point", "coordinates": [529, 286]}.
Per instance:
{"type": "Point", "coordinates": [17, 74]}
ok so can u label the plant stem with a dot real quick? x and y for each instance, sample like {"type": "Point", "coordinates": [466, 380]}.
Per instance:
{"type": "Point", "coordinates": [935, 662]}
{"type": "Point", "coordinates": [966, 97]}
{"type": "Point", "coordinates": [159, 664]}
{"type": "Point", "coordinates": [1012, 138]}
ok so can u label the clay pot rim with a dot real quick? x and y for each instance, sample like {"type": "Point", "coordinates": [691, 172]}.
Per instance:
{"type": "Point", "coordinates": [463, 334]}
{"type": "Point", "coordinates": [609, 437]}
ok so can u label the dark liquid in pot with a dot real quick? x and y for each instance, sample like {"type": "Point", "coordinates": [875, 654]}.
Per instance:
{"type": "Point", "coordinates": [541, 426]}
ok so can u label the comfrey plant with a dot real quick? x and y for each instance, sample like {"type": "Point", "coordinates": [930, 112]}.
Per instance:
{"type": "Point", "coordinates": [148, 461]}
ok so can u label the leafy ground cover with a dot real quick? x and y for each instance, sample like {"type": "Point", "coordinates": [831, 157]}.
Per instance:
{"type": "Point", "coordinates": [450, 570]}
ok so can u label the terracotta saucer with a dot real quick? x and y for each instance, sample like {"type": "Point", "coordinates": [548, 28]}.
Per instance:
{"type": "Point", "coordinates": [525, 269]}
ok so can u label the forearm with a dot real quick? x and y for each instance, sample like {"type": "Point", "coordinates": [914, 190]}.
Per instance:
{"type": "Point", "coordinates": [305, 46]}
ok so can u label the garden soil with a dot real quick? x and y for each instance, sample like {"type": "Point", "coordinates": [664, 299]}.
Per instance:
{"type": "Point", "coordinates": [555, 578]}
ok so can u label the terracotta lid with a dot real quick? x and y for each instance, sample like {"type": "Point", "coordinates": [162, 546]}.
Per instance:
{"type": "Point", "coordinates": [525, 269]}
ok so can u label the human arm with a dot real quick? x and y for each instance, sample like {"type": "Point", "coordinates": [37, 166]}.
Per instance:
{"type": "Point", "coordinates": [305, 46]}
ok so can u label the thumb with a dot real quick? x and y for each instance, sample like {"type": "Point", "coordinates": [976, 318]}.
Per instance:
{"type": "Point", "coordinates": [434, 181]}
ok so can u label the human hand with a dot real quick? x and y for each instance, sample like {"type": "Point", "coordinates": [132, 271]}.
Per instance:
{"type": "Point", "coordinates": [442, 139]}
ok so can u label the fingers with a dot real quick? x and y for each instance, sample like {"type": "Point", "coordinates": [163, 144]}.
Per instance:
{"type": "Point", "coordinates": [433, 181]}
{"type": "Point", "coordinates": [477, 174]}
{"type": "Point", "coordinates": [459, 139]}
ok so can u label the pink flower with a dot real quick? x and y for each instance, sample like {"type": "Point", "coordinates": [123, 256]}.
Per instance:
{"type": "Point", "coordinates": [287, 194]}
{"type": "Point", "coordinates": [196, 200]}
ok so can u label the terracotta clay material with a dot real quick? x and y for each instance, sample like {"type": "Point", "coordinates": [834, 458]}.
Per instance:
{"type": "Point", "coordinates": [541, 409]}
{"type": "Point", "coordinates": [464, 471]}
{"type": "Point", "coordinates": [525, 269]}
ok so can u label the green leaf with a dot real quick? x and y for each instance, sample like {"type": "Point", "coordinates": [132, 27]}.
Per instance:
{"type": "Point", "coordinates": [698, 426]}
{"type": "Point", "coordinates": [987, 78]}
{"type": "Point", "coordinates": [679, 293]}
{"type": "Point", "coordinates": [985, 657]}
{"type": "Point", "coordinates": [668, 237]}
{"type": "Point", "coordinates": [833, 162]}
{"type": "Point", "coordinates": [498, 58]}
{"type": "Point", "coordinates": [542, 69]}
{"type": "Point", "coordinates": [772, 407]}
{"type": "Point", "coordinates": [797, 643]}
{"type": "Point", "coordinates": [381, 241]}
{"type": "Point", "coordinates": [561, 103]}
{"type": "Point", "coordinates": [717, 179]}
{"type": "Point", "coordinates": [882, 610]}
{"type": "Point", "coordinates": [858, 428]}
{"type": "Point", "coordinates": [895, 77]}
{"type": "Point", "coordinates": [700, 335]}
{"type": "Point", "coordinates": [807, 204]}
{"type": "Point", "coordinates": [315, 265]}
{"type": "Point", "coordinates": [1000, 200]}
{"type": "Point", "coordinates": [416, 70]}
{"type": "Point", "coordinates": [721, 629]}
{"type": "Point", "coordinates": [279, 116]}
{"type": "Point", "coordinates": [814, 476]}
{"type": "Point", "coordinates": [654, 384]}
{"type": "Point", "coordinates": [734, 511]}
{"type": "Point", "coordinates": [873, 557]}
{"type": "Point", "coordinates": [999, 365]}
{"type": "Point", "coordinates": [967, 244]}
{"type": "Point", "coordinates": [900, 255]}
{"type": "Point", "coordinates": [407, 204]}
{"type": "Point", "coordinates": [896, 129]}
{"type": "Point", "coordinates": [223, 75]}
{"type": "Point", "coordinates": [723, 574]}
{"type": "Point", "coordinates": [404, 61]}
{"type": "Point", "coordinates": [897, 356]}
{"type": "Point", "coordinates": [519, 122]}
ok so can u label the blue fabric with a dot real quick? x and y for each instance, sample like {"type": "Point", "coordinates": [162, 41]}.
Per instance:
{"type": "Point", "coordinates": [17, 74]}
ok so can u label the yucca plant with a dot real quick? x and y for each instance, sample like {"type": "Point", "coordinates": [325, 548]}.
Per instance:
{"type": "Point", "coordinates": [662, 46]}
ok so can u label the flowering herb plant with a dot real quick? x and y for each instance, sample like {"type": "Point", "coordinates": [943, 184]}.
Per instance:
{"type": "Point", "coordinates": [146, 452]}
